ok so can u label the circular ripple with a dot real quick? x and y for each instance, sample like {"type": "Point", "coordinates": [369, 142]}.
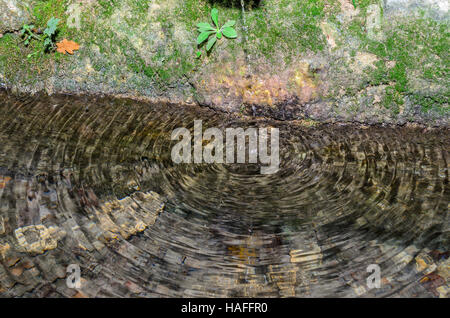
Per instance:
{"type": "Point", "coordinates": [91, 182]}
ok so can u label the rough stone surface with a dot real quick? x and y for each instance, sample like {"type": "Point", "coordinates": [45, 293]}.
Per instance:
{"type": "Point", "coordinates": [437, 8]}
{"type": "Point", "coordinates": [37, 239]}
{"type": "Point", "coordinates": [13, 14]}
{"type": "Point", "coordinates": [381, 62]}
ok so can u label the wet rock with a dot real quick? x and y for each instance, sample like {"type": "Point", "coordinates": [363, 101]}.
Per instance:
{"type": "Point", "coordinates": [5, 280]}
{"type": "Point", "coordinates": [50, 267]}
{"type": "Point", "coordinates": [312, 257]}
{"type": "Point", "coordinates": [424, 263]}
{"type": "Point", "coordinates": [443, 291]}
{"type": "Point", "coordinates": [2, 225]}
{"type": "Point", "coordinates": [443, 270]}
{"type": "Point", "coordinates": [4, 248]}
{"type": "Point", "coordinates": [432, 282]}
{"type": "Point", "coordinates": [37, 239]}
{"type": "Point", "coordinates": [14, 14]}
{"type": "Point", "coordinates": [11, 258]}
{"type": "Point", "coordinates": [285, 278]}
{"type": "Point", "coordinates": [16, 271]}
{"type": "Point", "coordinates": [129, 216]}
{"type": "Point", "coordinates": [358, 289]}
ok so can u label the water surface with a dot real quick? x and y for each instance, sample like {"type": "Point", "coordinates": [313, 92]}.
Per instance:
{"type": "Point", "coordinates": [97, 175]}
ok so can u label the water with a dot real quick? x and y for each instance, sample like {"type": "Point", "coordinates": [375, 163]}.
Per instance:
{"type": "Point", "coordinates": [90, 182]}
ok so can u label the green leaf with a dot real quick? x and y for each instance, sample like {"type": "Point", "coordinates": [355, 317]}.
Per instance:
{"type": "Point", "coordinates": [51, 27]}
{"type": "Point", "coordinates": [27, 28]}
{"type": "Point", "coordinates": [47, 42]}
{"type": "Point", "coordinates": [215, 16]}
{"type": "Point", "coordinates": [211, 43]}
{"type": "Point", "coordinates": [53, 22]}
{"type": "Point", "coordinates": [199, 54]}
{"type": "Point", "coordinates": [206, 30]}
{"type": "Point", "coordinates": [205, 26]}
{"type": "Point", "coordinates": [229, 23]}
{"type": "Point", "coordinates": [229, 32]}
{"type": "Point", "coordinates": [219, 35]}
{"type": "Point", "coordinates": [203, 36]}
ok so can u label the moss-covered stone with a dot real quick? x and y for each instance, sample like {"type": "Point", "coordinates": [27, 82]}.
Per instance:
{"type": "Point", "coordinates": [326, 59]}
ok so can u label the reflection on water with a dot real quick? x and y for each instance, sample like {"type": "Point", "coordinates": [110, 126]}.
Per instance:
{"type": "Point", "coordinates": [90, 182]}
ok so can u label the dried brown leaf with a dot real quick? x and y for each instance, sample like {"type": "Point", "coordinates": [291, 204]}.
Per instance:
{"type": "Point", "coordinates": [66, 46]}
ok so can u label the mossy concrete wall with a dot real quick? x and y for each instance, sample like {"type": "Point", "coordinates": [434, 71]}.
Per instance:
{"type": "Point", "coordinates": [367, 61]}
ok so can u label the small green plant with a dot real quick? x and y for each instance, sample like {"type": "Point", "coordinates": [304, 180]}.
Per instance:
{"type": "Point", "coordinates": [27, 33]}
{"type": "Point", "coordinates": [47, 38]}
{"type": "Point", "coordinates": [206, 30]}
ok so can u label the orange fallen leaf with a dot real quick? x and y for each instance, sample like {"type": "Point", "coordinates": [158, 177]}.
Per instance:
{"type": "Point", "coordinates": [67, 46]}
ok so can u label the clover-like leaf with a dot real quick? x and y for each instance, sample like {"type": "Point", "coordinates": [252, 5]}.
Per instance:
{"type": "Point", "coordinates": [211, 43]}
{"type": "Point", "coordinates": [203, 26]}
{"type": "Point", "coordinates": [203, 36]}
{"type": "Point", "coordinates": [215, 16]}
{"type": "Point", "coordinates": [229, 32]}
{"type": "Point", "coordinates": [229, 23]}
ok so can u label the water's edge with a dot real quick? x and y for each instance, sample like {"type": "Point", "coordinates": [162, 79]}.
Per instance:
{"type": "Point", "coordinates": [277, 114]}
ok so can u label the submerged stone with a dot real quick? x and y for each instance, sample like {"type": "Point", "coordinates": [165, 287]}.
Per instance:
{"type": "Point", "coordinates": [37, 239]}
